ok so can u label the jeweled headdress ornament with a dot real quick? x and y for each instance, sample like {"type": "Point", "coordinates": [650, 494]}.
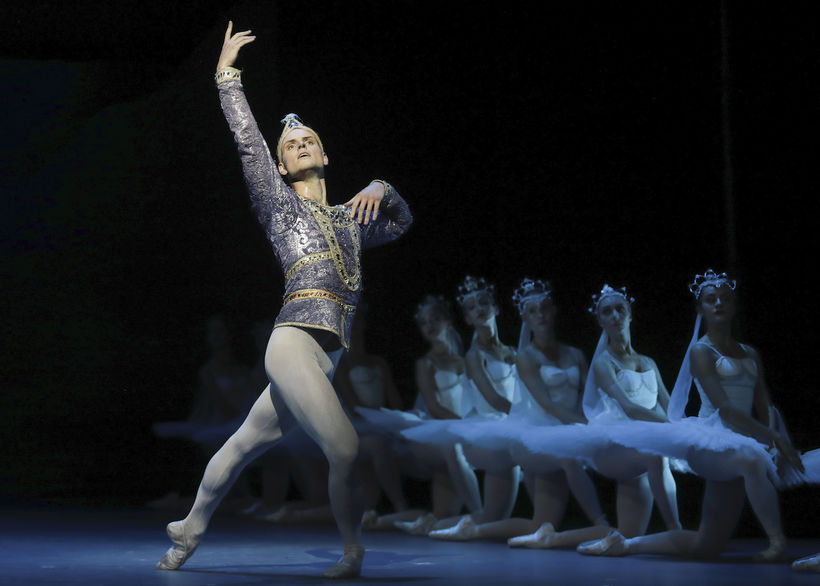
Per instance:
{"type": "Point", "coordinates": [710, 277]}
{"type": "Point", "coordinates": [473, 286]}
{"type": "Point", "coordinates": [531, 290]}
{"type": "Point", "coordinates": [608, 291]}
{"type": "Point", "coordinates": [292, 122]}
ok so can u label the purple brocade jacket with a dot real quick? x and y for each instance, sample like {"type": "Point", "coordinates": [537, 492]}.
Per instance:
{"type": "Point", "coordinates": [318, 247]}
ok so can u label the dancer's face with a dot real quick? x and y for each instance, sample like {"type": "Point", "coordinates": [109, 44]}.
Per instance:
{"type": "Point", "coordinates": [614, 314]}
{"type": "Point", "coordinates": [539, 315]}
{"type": "Point", "coordinates": [717, 304]}
{"type": "Point", "coordinates": [431, 323]}
{"type": "Point", "coordinates": [479, 309]}
{"type": "Point", "coordinates": [301, 152]}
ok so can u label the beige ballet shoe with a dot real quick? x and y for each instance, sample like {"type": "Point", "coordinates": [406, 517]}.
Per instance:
{"type": "Point", "coordinates": [370, 520]}
{"type": "Point", "coordinates": [183, 548]}
{"type": "Point", "coordinates": [350, 564]}
{"type": "Point", "coordinates": [809, 564]}
{"type": "Point", "coordinates": [613, 545]}
{"type": "Point", "coordinates": [420, 526]}
{"type": "Point", "coordinates": [776, 552]}
{"type": "Point", "coordinates": [541, 539]}
{"type": "Point", "coordinates": [280, 515]}
{"type": "Point", "coordinates": [464, 530]}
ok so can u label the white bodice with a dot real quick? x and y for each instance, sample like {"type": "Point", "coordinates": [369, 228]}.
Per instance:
{"type": "Point", "coordinates": [503, 376]}
{"type": "Point", "coordinates": [562, 383]}
{"type": "Point", "coordinates": [368, 385]}
{"type": "Point", "coordinates": [450, 391]}
{"type": "Point", "coordinates": [640, 387]}
{"type": "Point", "coordinates": [738, 377]}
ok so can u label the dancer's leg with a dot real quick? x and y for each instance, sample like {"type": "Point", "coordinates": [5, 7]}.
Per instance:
{"type": "Point", "coordinates": [300, 370]}
{"type": "Point", "coordinates": [664, 490]}
{"type": "Point", "coordinates": [259, 432]}
{"type": "Point", "coordinates": [634, 506]}
{"type": "Point", "coordinates": [462, 477]}
{"type": "Point", "coordinates": [549, 498]}
{"type": "Point", "coordinates": [500, 492]}
{"type": "Point", "coordinates": [386, 469]}
{"type": "Point", "coordinates": [583, 489]}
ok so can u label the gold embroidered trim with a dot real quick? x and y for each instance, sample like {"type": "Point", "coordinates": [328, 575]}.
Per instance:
{"type": "Point", "coordinates": [305, 261]}
{"type": "Point", "coordinates": [328, 218]}
{"type": "Point", "coordinates": [319, 294]}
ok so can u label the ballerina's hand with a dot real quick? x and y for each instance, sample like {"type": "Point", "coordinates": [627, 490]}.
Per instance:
{"type": "Point", "coordinates": [787, 452]}
{"type": "Point", "coordinates": [231, 46]}
{"type": "Point", "coordinates": [366, 203]}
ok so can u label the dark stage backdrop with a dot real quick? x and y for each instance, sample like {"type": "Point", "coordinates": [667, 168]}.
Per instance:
{"type": "Point", "coordinates": [582, 144]}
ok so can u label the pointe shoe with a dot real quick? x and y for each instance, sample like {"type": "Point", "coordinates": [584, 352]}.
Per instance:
{"type": "Point", "coordinates": [350, 564]}
{"type": "Point", "coordinates": [613, 545]}
{"type": "Point", "coordinates": [809, 564]}
{"type": "Point", "coordinates": [541, 539]}
{"type": "Point", "coordinates": [370, 520]}
{"type": "Point", "coordinates": [420, 526]}
{"type": "Point", "coordinates": [464, 530]}
{"type": "Point", "coordinates": [776, 552]}
{"type": "Point", "coordinates": [183, 548]}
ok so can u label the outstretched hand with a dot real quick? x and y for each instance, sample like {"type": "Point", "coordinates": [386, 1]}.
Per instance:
{"type": "Point", "coordinates": [365, 204]}
{"type": "Point", "coordinates": [231, 46]}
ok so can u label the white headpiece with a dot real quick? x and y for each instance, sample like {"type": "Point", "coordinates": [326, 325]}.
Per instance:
{"type": "Point", "coordinates": [683, 384]}
{"type": "Point", "coordinates": [473, 286]}
{"type": "Point", "coordinates": [607, 291]}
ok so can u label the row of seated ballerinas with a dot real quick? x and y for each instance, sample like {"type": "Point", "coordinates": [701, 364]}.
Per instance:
{"type": "Point", "coordinates": [540, 415]}
{"type": "Point", "coordinates": [534, 414]}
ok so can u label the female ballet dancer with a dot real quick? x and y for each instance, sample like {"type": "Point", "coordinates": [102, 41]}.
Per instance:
{"type": "Point", "coordinates": [725, 444]}
{"type": "Point", "coordinates": [551, 376]}
{"type": "Point", "coordinates": [622, 386]}
{"type": "Point", "coordinates": [491, 370]}
{"type": "Point", "coordinates": [318, 248]}
{"type": "Point", "coordinates": [444, 393]}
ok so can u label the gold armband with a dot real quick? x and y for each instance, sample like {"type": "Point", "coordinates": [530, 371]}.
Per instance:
{"type": "Point", "coordinates": [227, 74]}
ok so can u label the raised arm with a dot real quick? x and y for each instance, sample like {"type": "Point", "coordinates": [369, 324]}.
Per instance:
{"type": "Point", "coordinates": [269, 194]}
{"type": "Point", "coordinates": [529, 371]}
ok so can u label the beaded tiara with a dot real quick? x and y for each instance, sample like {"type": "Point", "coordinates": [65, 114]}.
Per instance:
{"type": "Point", "coordinates": [712, 278]}
{"type": "Point", "coordinates": [292, 122]}
{"type": "Point", "coordinates": [530, 290]}
{"type": "Point", "coordinates": [473, 286]}
{"type": "Point", "coordinates": [608, 291]}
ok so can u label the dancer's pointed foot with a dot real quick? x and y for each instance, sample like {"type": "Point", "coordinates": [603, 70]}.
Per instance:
{"type": "Point", "coordinates": [350, 564]}
{"type": "Point", "coordinates": [183, 548]}
{"type": "Point", "coordinates": [464, 530]}
{"type": "Point", "coordinates": [809, 564]}
{"type": "Point", "coordinates": [613, 545]}
{"type": "Point", "coordinates": [775, 553]}
{"type": "Point", "coordinates": [421, 526]}
{"type": "Point", "coordinates": [541, 539]}
{"type": "Point", "coordinates": [370, 520]}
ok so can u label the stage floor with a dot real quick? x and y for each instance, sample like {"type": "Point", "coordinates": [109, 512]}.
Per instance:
{"type": "Point", "coordinates": [119, 547]}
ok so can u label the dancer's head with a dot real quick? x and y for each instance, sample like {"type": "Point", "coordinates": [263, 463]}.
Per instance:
{"type": "Point", "coordinates": [613, 308]}
{"type": "Point", "coordinates": [299, 149]}
{"type": "Point", "coordinates": [715, 297]}
{"type": "Point", "coordinates": [534, 302]}
{"type": "Point", "coordinates": [433, 318]}
{"type": "Point", "coordinates": [477, 300]}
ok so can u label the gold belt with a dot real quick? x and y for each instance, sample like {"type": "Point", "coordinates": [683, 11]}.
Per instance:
{"type": "Point", "coordinates": [320, 294]}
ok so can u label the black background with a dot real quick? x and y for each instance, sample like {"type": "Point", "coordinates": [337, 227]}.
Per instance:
{"type": "Point", "coordinates": [578, 142]}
